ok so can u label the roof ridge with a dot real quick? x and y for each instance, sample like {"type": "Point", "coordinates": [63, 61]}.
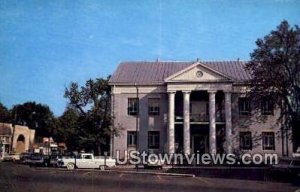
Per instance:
{"type": "Point", "coordinates": [223, 61]}
{"type": "Point", "coordinates": [159, 61]}
{"type": "Point", "coordinates": [181, 61]}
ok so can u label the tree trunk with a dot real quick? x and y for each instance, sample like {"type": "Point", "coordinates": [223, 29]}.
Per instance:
{"type": "Point", "coordinates": [296, 134]}
{"type": "Point", "coordinates": [98, 148]}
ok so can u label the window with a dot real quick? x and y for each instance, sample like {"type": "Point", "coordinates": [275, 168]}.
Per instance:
{"type": "Point", "coordinates": [131, 138]}
{"type": "Point", "coordinates": [153, 106]}
{"type": "Point", "coordinates": [244, 106]}
{"type": "Point", "coordinates": [245, 141]}
{"type": "Point", "coordinates": [4, 139]}
{"type": "Point", "coordinates": [87, 157]}
{"type": "Point", "coordinates": [153, 139]}
{"type": "Point", "coordinates": [267, 106]}
{"type": "Point", "coordinates": [268, 141]}
{"type": "Point", "coordinates": [133, 106]}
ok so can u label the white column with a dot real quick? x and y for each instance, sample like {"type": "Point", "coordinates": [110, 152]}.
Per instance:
{"type": "Point", "coordinates": [228, 122]}
{"type": "Point", "coordinates": [171, 122]}
{"type": "Point", "coordinates": [186, 128]}
{"type": "Point", "coordinates": [212, 122]}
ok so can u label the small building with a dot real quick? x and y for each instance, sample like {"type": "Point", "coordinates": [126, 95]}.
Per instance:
{"type": "Point", "coordinates": [23, 138]}
{"type": "Point", "coordinates": [48, 146]}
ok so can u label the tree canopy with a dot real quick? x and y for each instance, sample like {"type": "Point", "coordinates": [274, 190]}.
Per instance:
{"type": "Point", "coordinates": [91, 103]}
{"type": "Point", "coordinates": [5, 115]}
{"type": "Point", "coordinates": [275, 70]}
{"type": "Point", "coordinates": [34, 115]}
{"type": "Point", "coordinates": [67, 129]}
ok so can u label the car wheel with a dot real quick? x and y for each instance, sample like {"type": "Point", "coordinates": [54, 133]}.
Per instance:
{"type": "Point", "coordinates": [70, 166]}
{"type": "Point", "coordinates": [102, 167]}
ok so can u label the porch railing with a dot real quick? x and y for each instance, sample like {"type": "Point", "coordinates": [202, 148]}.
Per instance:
{"type": "Point", "coordinates": [200, 118]}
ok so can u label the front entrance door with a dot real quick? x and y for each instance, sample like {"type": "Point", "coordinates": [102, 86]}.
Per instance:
{"type": "Point", "coordinates": [200, 144]}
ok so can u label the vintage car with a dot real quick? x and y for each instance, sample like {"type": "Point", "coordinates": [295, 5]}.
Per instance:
{"type": "Point", "coordinates": [287, 166]}
{"type": "Point", "coordinates": [297, 153]}
{"type": "Point", "coordinates": [87, 161]}
{"type": "Point", "coordinates": [11, 157]}
{"type": "Point", "coordinates": [153, 160]}
{"type": "Point", "coordinates": [38, 159]}
{"type": "Point", "coordinates": [25, 157]}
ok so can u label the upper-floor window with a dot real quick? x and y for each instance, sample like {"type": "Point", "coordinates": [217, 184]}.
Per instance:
{"type": "Point", "coordinates": [133, 106]}
{"type": "Point", "coordinates": [244, 106]}
{"type": "Point", "coordinates": [268, 142]}
{"type": "Point", "coordinates": [245, 141]}
{"type": "Point", "coordinates": [267, 106]}
{"type": "Point", "coordinates": [131, 138]}
{"type": "Point", "coordinates": [153, 139]}
{"type": "Point", "coordinates": [153, 106]}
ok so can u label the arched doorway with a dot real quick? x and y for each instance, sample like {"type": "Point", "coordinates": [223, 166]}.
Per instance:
{"type": "Point", "coordinates": [20, 147]}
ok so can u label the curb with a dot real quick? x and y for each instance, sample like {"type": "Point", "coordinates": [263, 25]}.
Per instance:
{"type": "Point", "coordinates": [152, 173]}
{"type": "Point", "coordinates": [226, 168]}
{"type": "Point", "coordinates": [119, 171]}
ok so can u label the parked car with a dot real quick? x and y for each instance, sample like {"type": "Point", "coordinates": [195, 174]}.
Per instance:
{"type": "Point", "coordinates": [25, 157]}
{"type": "Point", "coordinates": [54, 160]}
{"type": "Point", "coordinates": [153, 161]}
{"type": "Point", "coordinates": [297, 153]}
{"type": "Point", "coordinates": [38, 159]}
{"type": "Point", "coordinates": [86, 160]}
{"type": "Point", "coordinates": [11, 157]}
{"type": "Point", "coordinates": [287, 166]}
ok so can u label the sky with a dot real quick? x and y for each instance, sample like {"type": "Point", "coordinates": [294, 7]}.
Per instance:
{"type": "Point", "coordinates": [45, 45]}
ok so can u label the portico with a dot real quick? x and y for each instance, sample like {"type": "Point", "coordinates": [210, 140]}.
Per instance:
{"type": "Point", "coordinates": [199, 78]}
{"type": "Point", "coordinates": [215, 116]}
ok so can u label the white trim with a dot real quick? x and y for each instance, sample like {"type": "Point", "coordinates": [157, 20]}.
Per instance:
{"type": "Point", "coordinates": [168, 79]}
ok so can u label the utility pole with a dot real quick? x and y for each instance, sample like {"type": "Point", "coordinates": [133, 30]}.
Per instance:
{"type": "Point", "coordinates": [137, 119]}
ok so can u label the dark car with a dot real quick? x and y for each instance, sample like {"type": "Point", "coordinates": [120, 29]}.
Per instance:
{"type": "Point", "coordinates": [38, 159]}
{"type": "Point", "coordinates": [287, 166]}
{"type": "Point", "coordinates": [25, 157]}
{"type": "Point", "coordinates": [54, 160]}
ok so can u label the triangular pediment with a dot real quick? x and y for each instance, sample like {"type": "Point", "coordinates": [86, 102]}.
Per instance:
{"type": "Point", "coordinates": [197, 73]}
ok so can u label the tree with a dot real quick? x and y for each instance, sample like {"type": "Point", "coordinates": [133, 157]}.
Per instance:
{"type": "Point", "coordinates": [275, 70]}
{"type": "Point", "coordinates": [5, 116]}
{"type": "Point", "coordinates": [67, 129]}
{"type": "Point", "coordinates": [92, 103]}
{"type": "Point", "coordinates": [35, 116]}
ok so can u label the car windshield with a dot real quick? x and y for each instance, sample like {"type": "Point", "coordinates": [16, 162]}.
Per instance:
{"type": "Point", "coordinates": [285, 162]}
{"type": "Point", "coordinates": [36, 155]}
{"type": "Point", "coordinates": [296, 162]}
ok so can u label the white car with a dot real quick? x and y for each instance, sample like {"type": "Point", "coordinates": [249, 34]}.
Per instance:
{"type": "Point", "coordinates": [297, 154]}
{"type": "Point", "coordinates": [86, 161]}
{"type": "Point", "coordinates": [11, 157]}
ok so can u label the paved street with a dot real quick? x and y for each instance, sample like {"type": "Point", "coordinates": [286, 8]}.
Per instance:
{"type": "Point", "coordinates": [15, 177]}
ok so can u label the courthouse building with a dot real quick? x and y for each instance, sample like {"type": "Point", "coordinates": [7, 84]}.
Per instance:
{"type": "Point", "coordinates": [189, 107]}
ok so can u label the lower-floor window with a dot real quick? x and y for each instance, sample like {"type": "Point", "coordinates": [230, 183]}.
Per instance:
{"type": "Point", "coordinates": [153, 139]}
{"type": "Point", "coordinates": [131, 138]}
{"type": "Point", "coordinates": [245, 140]}
{"type": "Point", "coordinates": [268, 140]}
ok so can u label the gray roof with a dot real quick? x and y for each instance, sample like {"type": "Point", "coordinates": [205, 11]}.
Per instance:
{"type": "Point", "coordinates": [144, 72]}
